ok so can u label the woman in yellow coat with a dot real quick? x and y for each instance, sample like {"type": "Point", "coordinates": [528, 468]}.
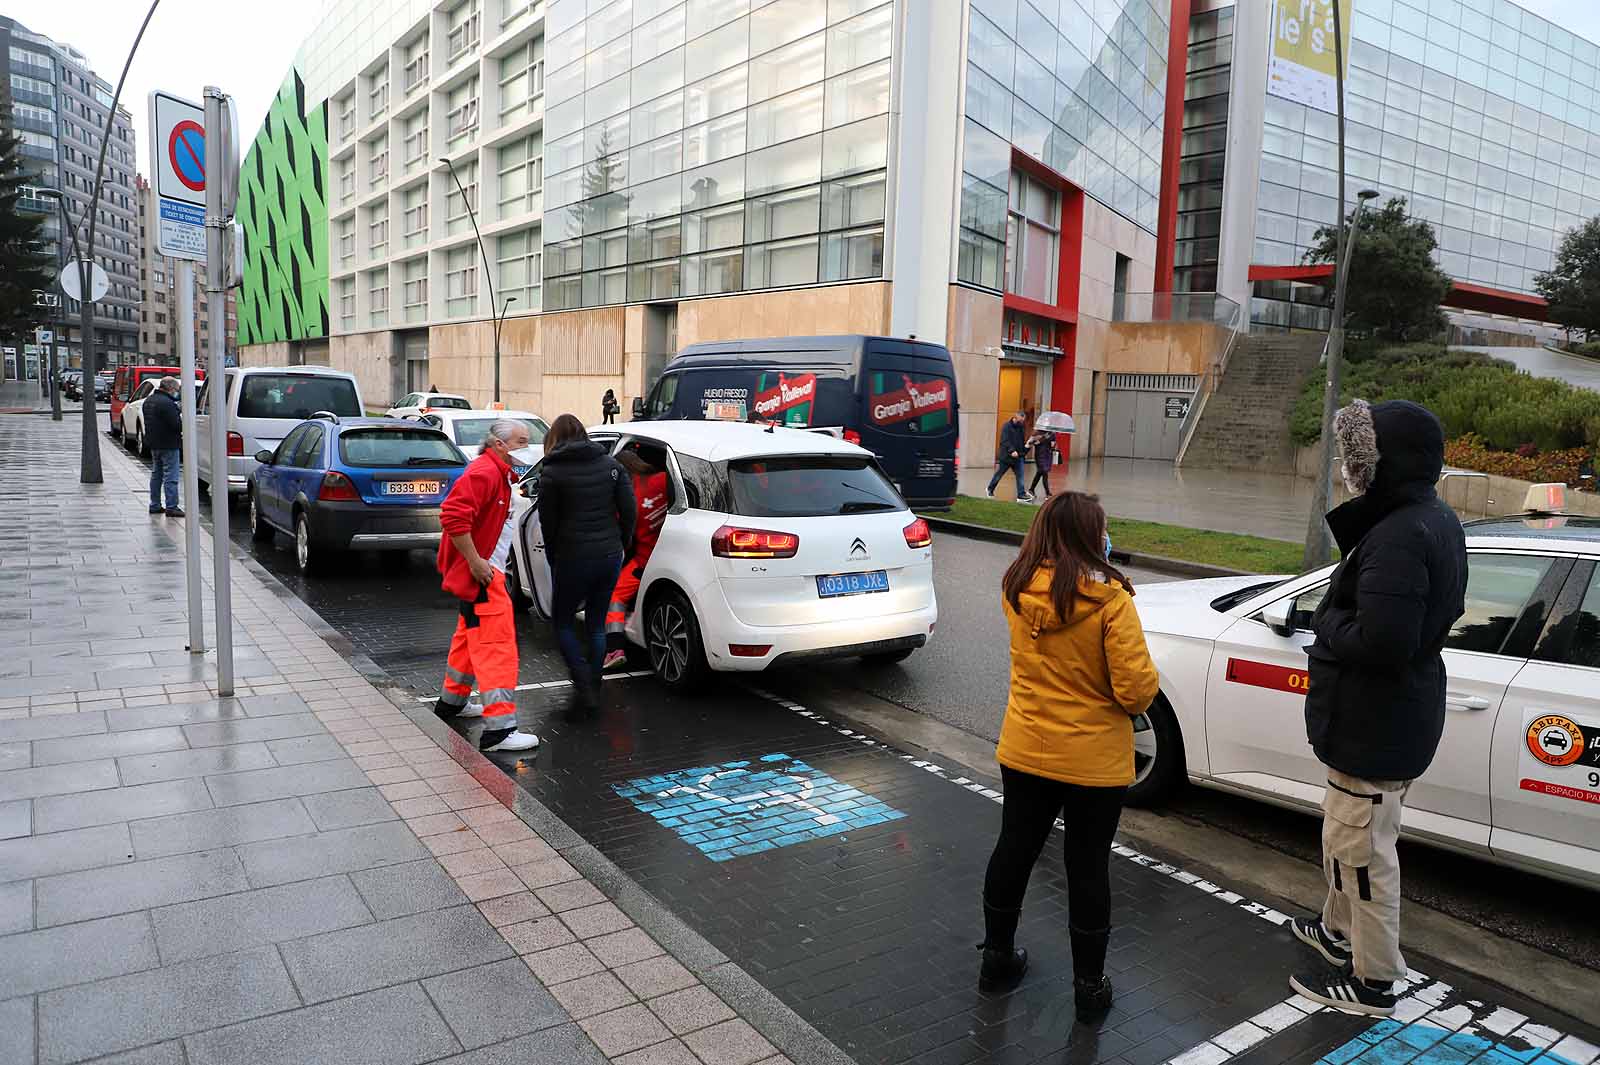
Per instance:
{"type": "Point", "coordinates": [1080, 673]}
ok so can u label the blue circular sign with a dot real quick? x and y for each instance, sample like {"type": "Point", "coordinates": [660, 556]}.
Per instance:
{"type": "Point", "coordinates": [186, 149]}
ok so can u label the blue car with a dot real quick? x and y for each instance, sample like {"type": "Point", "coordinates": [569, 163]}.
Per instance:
{"type": "Point", "coordinates": [353, 484]}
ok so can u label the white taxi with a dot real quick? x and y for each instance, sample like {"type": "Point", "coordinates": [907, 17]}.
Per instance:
{"type": "Point", "coordinates": [1516, 779]}
{"type": "Point", "coordinates": [780, 545]}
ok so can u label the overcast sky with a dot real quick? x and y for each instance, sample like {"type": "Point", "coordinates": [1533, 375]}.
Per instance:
{"type": "Point", "coordinates": [246, 48]}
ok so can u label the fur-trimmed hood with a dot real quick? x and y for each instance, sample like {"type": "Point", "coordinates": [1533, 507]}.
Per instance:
{"type": "Point", "coordinates": [1388, 446]}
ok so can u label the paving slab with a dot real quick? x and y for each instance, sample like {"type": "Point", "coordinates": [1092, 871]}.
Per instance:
{"type": "Point", "coordinates": [391, 1026]}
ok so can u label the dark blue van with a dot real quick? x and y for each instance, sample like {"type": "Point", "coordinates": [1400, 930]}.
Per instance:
{"type": "Point", "coordinates": [895, 397]}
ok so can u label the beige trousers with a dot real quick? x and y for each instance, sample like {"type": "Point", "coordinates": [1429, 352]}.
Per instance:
{"type": "Point", "coordinates": [1360, 827]}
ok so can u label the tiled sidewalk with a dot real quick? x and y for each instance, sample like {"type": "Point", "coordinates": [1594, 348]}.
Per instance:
{"type": "Point", "coordinates": [298, 874]}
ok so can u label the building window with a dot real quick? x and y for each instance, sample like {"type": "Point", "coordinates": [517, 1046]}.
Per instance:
{"type": "Point", "coordinates": [379, 154]}
{"type": "Point", "coordinates": [520, 269]}
{"type": "Point", "coordinates": [347, 180]}
{"type": "Point", "coordinates": [378, 95]}
{"type": "Point", "coordinates": [455, 205]}
{"type": "Point", "coordinates": [461, 281]}
{"type": "Point", "coordinates": [414, 291]}
{"type": "Point", "coordinates": [462, 116]}
{"type": "Point", "coordinates": [378, 297]}
{"type": "Point", "coordinates": [521, 176]}
{"type": "Point", "coordinates": [1033, 238]}
{"type": "Point", "coordinates": [414, 216]}
{"type": "Point", "coordinates": [347, 303]}
{"type": "Point", "coordinates": [347, 239]}
{"type": "Point", "coordinates": [415, 144]}
{"type": "Point", "coordinates": [461, 35]}
{"type": "Point", "coordinates": [416, 68]}
{"type": "Point", "coordinates": [521, 80]}
{"type": "Point", "coordinates": [378, 231]}
{"type": "Point", "coordinates": [347, 116]}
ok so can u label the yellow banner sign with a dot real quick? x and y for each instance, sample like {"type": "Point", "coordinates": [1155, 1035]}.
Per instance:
{"type": "Point", "coordinates": [1300, 61]}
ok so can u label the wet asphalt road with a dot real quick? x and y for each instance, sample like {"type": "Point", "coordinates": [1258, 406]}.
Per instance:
{"type": "Point", "coordinates": [391, 610]}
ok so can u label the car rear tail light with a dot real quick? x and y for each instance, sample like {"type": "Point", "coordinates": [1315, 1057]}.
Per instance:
{"type": "Point", "coordinates": [732, 542]}
{"type": "Point", "coordinates": [852, 437]}
{"type": "Point", "coordinates": [235, 444]}
{"type": "Point", "coordinates": [749, 650]}
{"type": "Point", "coordinates": [918, 534]}
{"type": "Point", "coordinates": [337, 488]}
{"type": "Point", "coordinates": [957, 460]}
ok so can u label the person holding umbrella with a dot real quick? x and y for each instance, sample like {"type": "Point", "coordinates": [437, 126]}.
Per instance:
{"type": "Point", "coordinates": [1043, 442]}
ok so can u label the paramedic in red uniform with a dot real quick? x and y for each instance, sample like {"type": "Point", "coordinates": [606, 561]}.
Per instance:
{"type": "Point", "coordinates": [476, 520]}
{"type": "Point", "coordinates": [650, 502]}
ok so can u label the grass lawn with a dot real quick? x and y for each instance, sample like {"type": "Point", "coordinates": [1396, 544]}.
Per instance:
{"type": "Point", "coordinates": [1255, 554]}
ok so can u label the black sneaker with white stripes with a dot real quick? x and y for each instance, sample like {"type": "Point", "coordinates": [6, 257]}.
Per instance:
{"type": "Point", "coordinates": [1335, 949]}
{"type": "Point", "coordinates": [1346, 993]}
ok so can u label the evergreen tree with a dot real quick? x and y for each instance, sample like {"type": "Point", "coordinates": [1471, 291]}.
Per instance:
{"type": "Point", "coordinates": [1572, 286]}
{"type": "Point", "coordinates": [1395, 287]}
{"type": "Point", "coordinates": [24, 267]}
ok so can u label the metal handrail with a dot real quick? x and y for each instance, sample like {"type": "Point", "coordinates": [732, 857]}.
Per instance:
{"type": "Point", "coordinates": [1208, 384]}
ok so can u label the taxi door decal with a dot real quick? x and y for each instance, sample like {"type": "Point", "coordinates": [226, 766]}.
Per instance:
{"type": "Point", "coordinates": [1267, 675]}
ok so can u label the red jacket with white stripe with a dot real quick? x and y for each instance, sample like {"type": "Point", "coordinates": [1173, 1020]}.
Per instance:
{"type": "Point", "coordinates": [478, 505]}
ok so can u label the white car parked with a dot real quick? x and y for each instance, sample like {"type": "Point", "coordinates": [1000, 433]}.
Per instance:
{"type": "Point", "coordinates": [468, 427]}
{"type": "Point", "coordinates": [780, 545]}
{"type": "Point", "coordinates": [132, 415]}
{"type": "Point", "coordinates": [1517, 776]}
{"type": "Point", "coordinates": [418, 403]}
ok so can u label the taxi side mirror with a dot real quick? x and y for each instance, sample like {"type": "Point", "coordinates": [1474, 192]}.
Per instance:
{"type": "Point", "coordinates": [1276, 617]}
{"type": "Point", "coordinates": [638, 407]}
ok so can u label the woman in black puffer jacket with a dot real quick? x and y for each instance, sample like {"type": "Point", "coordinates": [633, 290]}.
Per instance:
{"type": "Point", "coordinates": [586, 514]}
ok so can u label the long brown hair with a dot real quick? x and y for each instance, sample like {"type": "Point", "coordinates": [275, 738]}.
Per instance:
{"type": "Point", "coordinates": [564, 430]}
{"type": "Point", "coordinates": [1068, 534]}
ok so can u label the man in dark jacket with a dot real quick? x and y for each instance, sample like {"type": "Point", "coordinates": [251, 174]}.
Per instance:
{"type": "Point", "coordinates": [586, 514]}
{"type": "Point", "coordinates": [1013, 442]}
{"type": "Point", "coordinates": [163, 434]}
{"type": "Point", "coordinates": [1375, 704]}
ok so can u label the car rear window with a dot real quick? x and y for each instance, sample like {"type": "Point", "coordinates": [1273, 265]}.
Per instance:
{"type": "Point", "coordinates": [471, 431]}
{"type": "Point", "coordinates": [807, 486]}
{"type": "Point", "coordinates": [398, 447]}
{"type": "Point", "coordinates": [445, 403]}
{"type": "Point", "coordinates": [297, 397]}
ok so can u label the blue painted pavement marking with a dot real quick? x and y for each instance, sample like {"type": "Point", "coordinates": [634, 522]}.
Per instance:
{"type": "Point", "coordinates": [745, 807]}
{"type": "Point", "coordinates": [1427, 1041]}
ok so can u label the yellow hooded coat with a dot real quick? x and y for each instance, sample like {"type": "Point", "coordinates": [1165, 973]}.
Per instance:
{"type": "Point", "coordinates": [1076, 684]}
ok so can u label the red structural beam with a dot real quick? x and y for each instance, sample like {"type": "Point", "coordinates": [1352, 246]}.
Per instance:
{"type": "Point", "coordinates": [1463, 295]}
{"type": "Point", "coordinates": [1171, 145]}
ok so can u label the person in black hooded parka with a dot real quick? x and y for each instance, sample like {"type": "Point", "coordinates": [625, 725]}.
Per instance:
{"type": "Point", "coordinates": [1375, 707]}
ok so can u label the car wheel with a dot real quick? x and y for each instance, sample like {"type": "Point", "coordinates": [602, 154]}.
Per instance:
{"type": "Point", "coordinates": [140, 448]}
{"type": "Point", "coordinates": [260, 531]}
{"type": "Point", "coordinates": [307, 556]}
{"type": "Point", "coordinates": [887, 658]}
{"type": "Point", "coordinates": [672, 638]}
{"type": "Point", "coordinates": [1157, 755]}
{"type": "Point", "coordinates": [520, 602]}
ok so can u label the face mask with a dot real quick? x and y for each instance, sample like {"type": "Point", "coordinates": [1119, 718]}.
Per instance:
{"type": "Point", "coordinates": [1108, 547]}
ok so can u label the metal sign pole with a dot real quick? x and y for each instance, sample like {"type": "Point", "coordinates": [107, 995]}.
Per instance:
{"type": "Point", "coordinates": [184, 325]}
{"type": "Point", "coordinates": [218, 216]}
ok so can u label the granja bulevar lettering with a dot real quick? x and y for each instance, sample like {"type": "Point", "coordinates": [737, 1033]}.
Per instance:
{"type": "Point", "coordinates": [788, 393]}
{"type": "Point", "coordinates": [913, 400]}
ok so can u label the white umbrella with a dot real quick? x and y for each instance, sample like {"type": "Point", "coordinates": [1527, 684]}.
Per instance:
{"type": "Point", "coordinates": [1053, 421]}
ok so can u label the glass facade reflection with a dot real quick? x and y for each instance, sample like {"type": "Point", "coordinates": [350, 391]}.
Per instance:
{"type": "Point", "coordinates": [708, 146]}
{"type": "Point", "coordinates": [1484, 116]}
{"type": "Point", "coordinates": [1078, 85]}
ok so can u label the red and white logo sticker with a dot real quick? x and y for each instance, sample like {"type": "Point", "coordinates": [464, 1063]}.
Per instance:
{"type": "Point", "coordinates": [1267, 675]}
{"type": "Point", "coordinates": [789, 392]}
{"type": "Point", "coordinates": [912, 399]}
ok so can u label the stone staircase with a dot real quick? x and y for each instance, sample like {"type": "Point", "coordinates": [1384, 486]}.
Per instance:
{"type": "Point", "coordinates": [1245, 423]}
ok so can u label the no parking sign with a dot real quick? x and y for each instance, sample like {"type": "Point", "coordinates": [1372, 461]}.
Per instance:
{"type": "Point", "coordinates": [178, 155]}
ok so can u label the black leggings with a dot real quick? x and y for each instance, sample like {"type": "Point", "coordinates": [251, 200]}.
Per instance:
{"type": "Point", "coordinates": [1032, 804]}
{"type": "Point", "coordinates": [1040, 473]}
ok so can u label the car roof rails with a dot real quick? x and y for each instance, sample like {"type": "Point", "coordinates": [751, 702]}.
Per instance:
{"type": "Point", "coordinates": [323, 416]}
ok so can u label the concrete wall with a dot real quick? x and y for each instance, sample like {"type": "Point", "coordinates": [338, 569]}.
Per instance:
{"type": "Point", "coordinates": [370, 356]}
{"type": "Point", "coordinates": [275, 354]}
{"type": "Point", "coordinates": [973, 337]}
{"type": "Point", "coordinates": [1247, 106]}
{"type": "Point", "coordinates": [856, 308]}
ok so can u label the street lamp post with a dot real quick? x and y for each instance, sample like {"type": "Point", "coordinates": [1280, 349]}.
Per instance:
{"type": "Point", "coordinates": [1319, 548]}
{"type": "Point", "coordinates": [66, 223]}
{"type": "Point", "coordinates": [488, 273]}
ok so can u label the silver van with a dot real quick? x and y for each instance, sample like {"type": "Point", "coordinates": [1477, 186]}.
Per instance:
{"type": "Point", "coordinates": [264, 403]}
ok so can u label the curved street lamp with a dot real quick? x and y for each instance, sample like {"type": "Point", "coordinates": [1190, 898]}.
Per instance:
{"type": "Point", "coordinates": [488, 274]}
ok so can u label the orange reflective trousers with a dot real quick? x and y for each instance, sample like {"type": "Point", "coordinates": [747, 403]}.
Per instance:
{"type": "Point", "coordinates": [483, 652]}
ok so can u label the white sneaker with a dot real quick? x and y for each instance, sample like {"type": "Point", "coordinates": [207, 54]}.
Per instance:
{"type": "Point", "coordinates": [515, 740]}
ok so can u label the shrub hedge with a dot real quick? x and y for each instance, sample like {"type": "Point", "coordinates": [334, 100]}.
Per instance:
{"type": "Point", "coordinates": [1503, 409]}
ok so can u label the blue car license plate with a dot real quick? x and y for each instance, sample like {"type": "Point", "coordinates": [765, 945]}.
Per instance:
{"type": "Point", "coordinates": [832, 584]}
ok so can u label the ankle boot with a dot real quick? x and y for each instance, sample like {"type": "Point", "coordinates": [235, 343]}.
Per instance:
{"type": "Point", "coordinates": [1004, 963]}
{"type": "Point", "coordinates": [1091, 988]}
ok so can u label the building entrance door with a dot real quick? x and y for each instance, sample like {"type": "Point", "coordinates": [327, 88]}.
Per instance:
{"type": "Point", "coordinates": [1145, 414]}
{"type": "Point", "coordinates": [1018, 387]}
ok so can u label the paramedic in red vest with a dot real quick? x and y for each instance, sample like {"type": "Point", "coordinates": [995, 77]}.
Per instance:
{"type": "Point", "coordinates": [476, 521]}
{"type": "Point", "coordinates": [650, 513]}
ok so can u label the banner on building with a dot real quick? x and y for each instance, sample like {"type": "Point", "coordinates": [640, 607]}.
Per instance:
{"type": "Point", "coordinates": [1300, 58]}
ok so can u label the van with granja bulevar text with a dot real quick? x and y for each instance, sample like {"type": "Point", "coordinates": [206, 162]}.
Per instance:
{"type": "Point", "coordinates": [894, 397]}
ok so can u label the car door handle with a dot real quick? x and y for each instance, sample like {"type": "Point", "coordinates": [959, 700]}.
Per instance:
{"type": "Point", "coordinates": [1465, 702]}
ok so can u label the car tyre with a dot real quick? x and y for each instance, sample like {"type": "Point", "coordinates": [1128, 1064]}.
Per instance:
{"type": "Point", "coordinates": [260, 531]}
{"type": "Point", "coordinates": [672, 638]}
{"type": "Point", "coordinates": [887, 658]}
{"type": "Point", "coordinates": [309, 558]}
{"type": "Point", "coordinates": [140, 447]}
{"type": "Point", "coordinates": [1158, 767]}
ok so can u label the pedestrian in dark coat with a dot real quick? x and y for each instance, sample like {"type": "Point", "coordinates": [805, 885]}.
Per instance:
{"type": "Point", "coordinates": [1043, 444]}
{"type": "Point", "coordinates": [1013, 445]}
{"type": "Point", "coordinates": [163, 435]}
{"type": "Point", "coordinates": [609, 407]}
{"type": "Point", "coordinates": [1375, 706]}
{"type": "Point", "coordinates": [586, 513]}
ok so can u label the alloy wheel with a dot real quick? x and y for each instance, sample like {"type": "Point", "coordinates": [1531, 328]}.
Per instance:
{"type": "Point", "coordinates": [669, 642]}
{"type": "Point", "coordinates": [302, 543]}
{"type": "Point", "coordinates": [1145, 748]}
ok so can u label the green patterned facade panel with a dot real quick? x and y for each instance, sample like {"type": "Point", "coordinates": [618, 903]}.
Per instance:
{"type": "Point", "coordinates": [283, 207]}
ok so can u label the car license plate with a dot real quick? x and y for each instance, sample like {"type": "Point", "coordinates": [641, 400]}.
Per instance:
{"type": "Point", "coordinates": [410, 488]}
{"type": "Point", "coordinates": [932, 468]}
{"type": "Point", "coordinates": [834, 584]}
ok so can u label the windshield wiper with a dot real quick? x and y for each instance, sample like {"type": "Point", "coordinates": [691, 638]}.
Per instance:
{"type": "Point", "coordinates": [430, 460]}
{"type": "Point", "coordinates": [862, 507]}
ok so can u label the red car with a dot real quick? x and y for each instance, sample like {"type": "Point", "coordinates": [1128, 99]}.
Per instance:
{"type": "Point", "coordinates": [128, 379]}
